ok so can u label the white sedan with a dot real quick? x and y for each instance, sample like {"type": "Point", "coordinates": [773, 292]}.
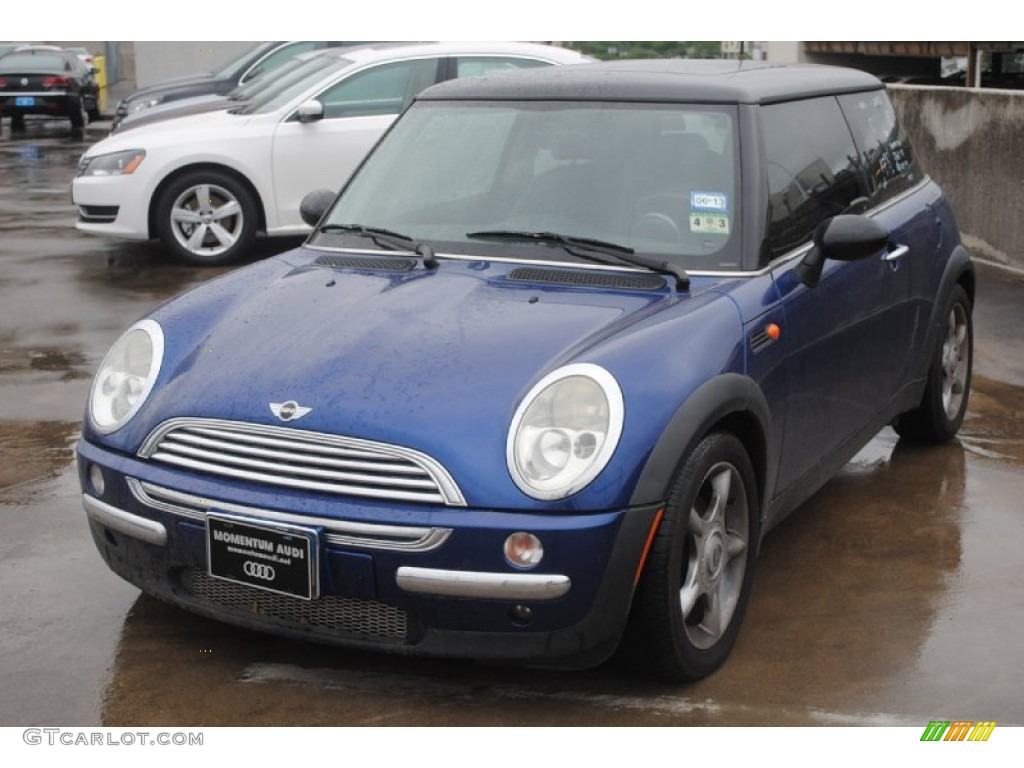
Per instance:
{"type": "Point", "coordinates": [205, 184]}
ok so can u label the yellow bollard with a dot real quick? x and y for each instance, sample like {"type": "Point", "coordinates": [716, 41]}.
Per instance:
{"type": "Point", "coordinates": [100, 63]}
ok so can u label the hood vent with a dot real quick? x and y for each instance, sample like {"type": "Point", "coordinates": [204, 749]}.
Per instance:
{"type": "Point", "coordinates": [584, 278]}
{"type": "Point", "coordinates": [371, 263]}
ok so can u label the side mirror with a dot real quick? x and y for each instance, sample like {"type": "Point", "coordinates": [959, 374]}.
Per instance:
{"type": "Point", "coordinates": [309, 111]}
{"type": "Point", "coordinates": [315, 205]}
{"type": "Point", "coordinates": [842, 238]}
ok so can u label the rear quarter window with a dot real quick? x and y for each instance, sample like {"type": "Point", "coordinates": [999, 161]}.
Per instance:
{"type": "Point", "coordinates": [884, 150]}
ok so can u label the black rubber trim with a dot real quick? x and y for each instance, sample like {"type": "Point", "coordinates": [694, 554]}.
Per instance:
{"type": "Point", "coordinates": [730, 393]}
{"type": "Point", "coordinates": [371, 263]}
{"type": "Point", "coordinates": [586, 279]}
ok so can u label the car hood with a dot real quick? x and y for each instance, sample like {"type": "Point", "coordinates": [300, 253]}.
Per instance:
{"type": "Point", "coordinates": [191, 106]}
{"type": "Point", "coordinates": [168, 86]}
{"type": "Point", "coordinates": [434, 360]}
{"type": "Point", "coordinates": [175, 131]}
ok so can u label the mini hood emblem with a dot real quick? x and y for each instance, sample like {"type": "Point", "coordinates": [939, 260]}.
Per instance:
{"type": "Point", "coordinates": [289, 411]}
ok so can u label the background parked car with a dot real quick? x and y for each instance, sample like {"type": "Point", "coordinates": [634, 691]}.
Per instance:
{"type": "Point", "coordinates": [260, 58]}
{"type": "Point", "coordinates": [83, 55]}
{"type": "Point", "coordinates": [205, 184]}
{"type": "Point", "coordinates": [47, 81]}
{"type": "Point", "coordinates": [291, 70]}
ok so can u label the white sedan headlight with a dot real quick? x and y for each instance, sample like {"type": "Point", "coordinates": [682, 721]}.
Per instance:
{"type": "Point", "coordinates": [126, 376]}
{"type": "Point", "coordinates": [565, 431]}
{"type": "Point", "coordinates": [112, 164]}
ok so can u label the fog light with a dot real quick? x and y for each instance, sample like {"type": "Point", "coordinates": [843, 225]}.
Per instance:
{"type": "Point", "coordinates": [521, 614]}
{"type": "Point", "coordinates": [96, 481]}
{"type": "Point", "coordinates": [523, 550]}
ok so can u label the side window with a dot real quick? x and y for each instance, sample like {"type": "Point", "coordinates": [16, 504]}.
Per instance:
{"type": "Point", "coordinates": [383, 90]}
{"type": "Point", "coordinates": [467, 66]}
{"type": "Point", "coordinates": [812, 168]}
{"type": "Point", "coordinates": [885, 152]}
{"type": "Point", "coordinates": [274, 60]}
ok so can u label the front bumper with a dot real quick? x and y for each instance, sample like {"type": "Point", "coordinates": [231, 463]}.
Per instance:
{"type": "Point", "coordinates": [417, 580]}
{"type": "Point", "coordinates": [116, 206]}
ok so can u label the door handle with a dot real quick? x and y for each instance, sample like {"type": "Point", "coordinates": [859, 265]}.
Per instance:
{"type": "Point", "coordinates": [897, 253]}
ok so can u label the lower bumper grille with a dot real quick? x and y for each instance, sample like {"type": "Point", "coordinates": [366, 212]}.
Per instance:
{"type": "Point", "coordinates": [97, 214]}
{"type": "Point", "coordinates": [361, 618]}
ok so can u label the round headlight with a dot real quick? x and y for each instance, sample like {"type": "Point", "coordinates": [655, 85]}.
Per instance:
{"type": "Point", "coordinates": [126, 376]}
{"type": "Point", "coordinates": [565, 431]}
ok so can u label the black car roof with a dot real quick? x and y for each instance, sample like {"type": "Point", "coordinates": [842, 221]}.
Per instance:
{"type": "Point", "coordinates": [714, 81]}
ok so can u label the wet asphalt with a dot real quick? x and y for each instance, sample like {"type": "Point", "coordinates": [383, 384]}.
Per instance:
{"type": "Point", "coordinates": [893, 597]}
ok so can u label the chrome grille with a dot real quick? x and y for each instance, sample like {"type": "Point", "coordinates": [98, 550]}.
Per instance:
{"type": "Point", "coordinates": [295, 458]}
{"type": "Point", "coordinates": [337, 614]}
{"type": "Point", "coordinates": [347, 533]}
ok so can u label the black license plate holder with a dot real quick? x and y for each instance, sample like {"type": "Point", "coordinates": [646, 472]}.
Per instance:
{"type": "Point", "coordinates": [274, 557]}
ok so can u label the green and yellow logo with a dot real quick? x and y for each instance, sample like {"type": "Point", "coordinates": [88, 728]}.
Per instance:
{"type": "Point", "coordinates": [958, 730]}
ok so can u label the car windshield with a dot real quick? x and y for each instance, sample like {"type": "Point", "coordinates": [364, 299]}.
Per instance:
{"type": "Point", "coordinates": [265, 79]}
{"type": "Point", "coordinates": [299, 74]}
{"type": "Point", "coordinates": [283, 90]}
{"type": "Point", "coordinates": [32, 62]}
{"type": "Point", "coordinates": [477, 177]}
{"type": "Point", "coordinates": [229, 69]}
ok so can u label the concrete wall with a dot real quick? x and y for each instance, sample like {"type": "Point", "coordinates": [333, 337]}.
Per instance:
{"type": "Point", "coordinates": [971, 141]}
{"type": "Point", "coordinates": [156, 61]}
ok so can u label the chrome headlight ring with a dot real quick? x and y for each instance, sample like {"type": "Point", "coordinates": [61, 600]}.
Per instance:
{"type": "Point", "coordinates": [126, 376]}
{"type": "Point", "coordinates": [565, 431]}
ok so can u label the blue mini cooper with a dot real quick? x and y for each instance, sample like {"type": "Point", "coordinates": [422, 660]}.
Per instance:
{"type": "Point", "coordinates": [568, 343]}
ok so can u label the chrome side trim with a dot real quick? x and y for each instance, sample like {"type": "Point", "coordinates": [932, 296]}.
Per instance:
{"type": "Point", "coordinates": [135, 526]}
{"type": "Point", "coordinates": [395, 538]}
{"type": "Point", "coordinates": [497, 586]}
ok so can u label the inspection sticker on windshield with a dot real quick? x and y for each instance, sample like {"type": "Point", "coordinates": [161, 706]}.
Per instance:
{"type": "Point", "coordinates": [709, 201]}
{"type": "Point", "coordinates": [709, 213]}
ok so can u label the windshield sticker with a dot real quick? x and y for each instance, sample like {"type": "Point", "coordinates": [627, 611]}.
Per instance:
{"type": "Point", "coordinates": [709, 223]}
{"type": "Point", "coordinates": [709, 201]}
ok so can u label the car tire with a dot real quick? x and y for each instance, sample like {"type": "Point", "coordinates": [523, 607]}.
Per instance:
{"type": "Point", "coordinates": [944, 404]}
{"type": "Point", "coordinates": [694, 590]}
{"type": "Point", "coordinates": [206, 217]}
{"type": "Point", "coordinates": [78, 115]}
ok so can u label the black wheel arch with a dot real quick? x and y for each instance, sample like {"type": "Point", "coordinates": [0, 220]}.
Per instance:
{"type": "Point", "coordinates": [177, 173]}
{"type": "Point", "coordinates": [730, 403]}
{"type": "Point", "coordinates": [959, 271]}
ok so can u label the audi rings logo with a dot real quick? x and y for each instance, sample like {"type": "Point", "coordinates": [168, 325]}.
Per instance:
{"type": "Point", "coordinates": [258, 570]}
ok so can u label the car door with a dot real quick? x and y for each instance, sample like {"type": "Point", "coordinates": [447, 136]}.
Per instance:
{"type": "Point", "coordinates": [848, 336]}
{"type": "Point", "coordinates": [356, 111]}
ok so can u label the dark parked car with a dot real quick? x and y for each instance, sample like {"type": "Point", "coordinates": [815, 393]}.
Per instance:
{"type": "Point", "coordinates": [260, 58]}
{"type": "Point", "coordinates": [567, 345]}
{"type": "Point", "coordinates": [47, 81]}
{"type": "Point", "coordinates": [295, 68]}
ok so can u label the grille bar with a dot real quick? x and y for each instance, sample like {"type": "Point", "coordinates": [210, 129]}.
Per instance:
{"type": "Point", "coordinates": [347, 533]}
{"type": "Point", "coordinates": [305, 460]}
{"type": "Point", "coordinates": [171, 446]}
{"type": "Point", "coordinates": [289, 456]}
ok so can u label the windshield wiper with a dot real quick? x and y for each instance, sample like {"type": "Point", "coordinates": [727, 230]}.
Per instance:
{"type": "Point", "coordinates": [386, 238]}
{"type": "Point", "coordinates": [585, 248]}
